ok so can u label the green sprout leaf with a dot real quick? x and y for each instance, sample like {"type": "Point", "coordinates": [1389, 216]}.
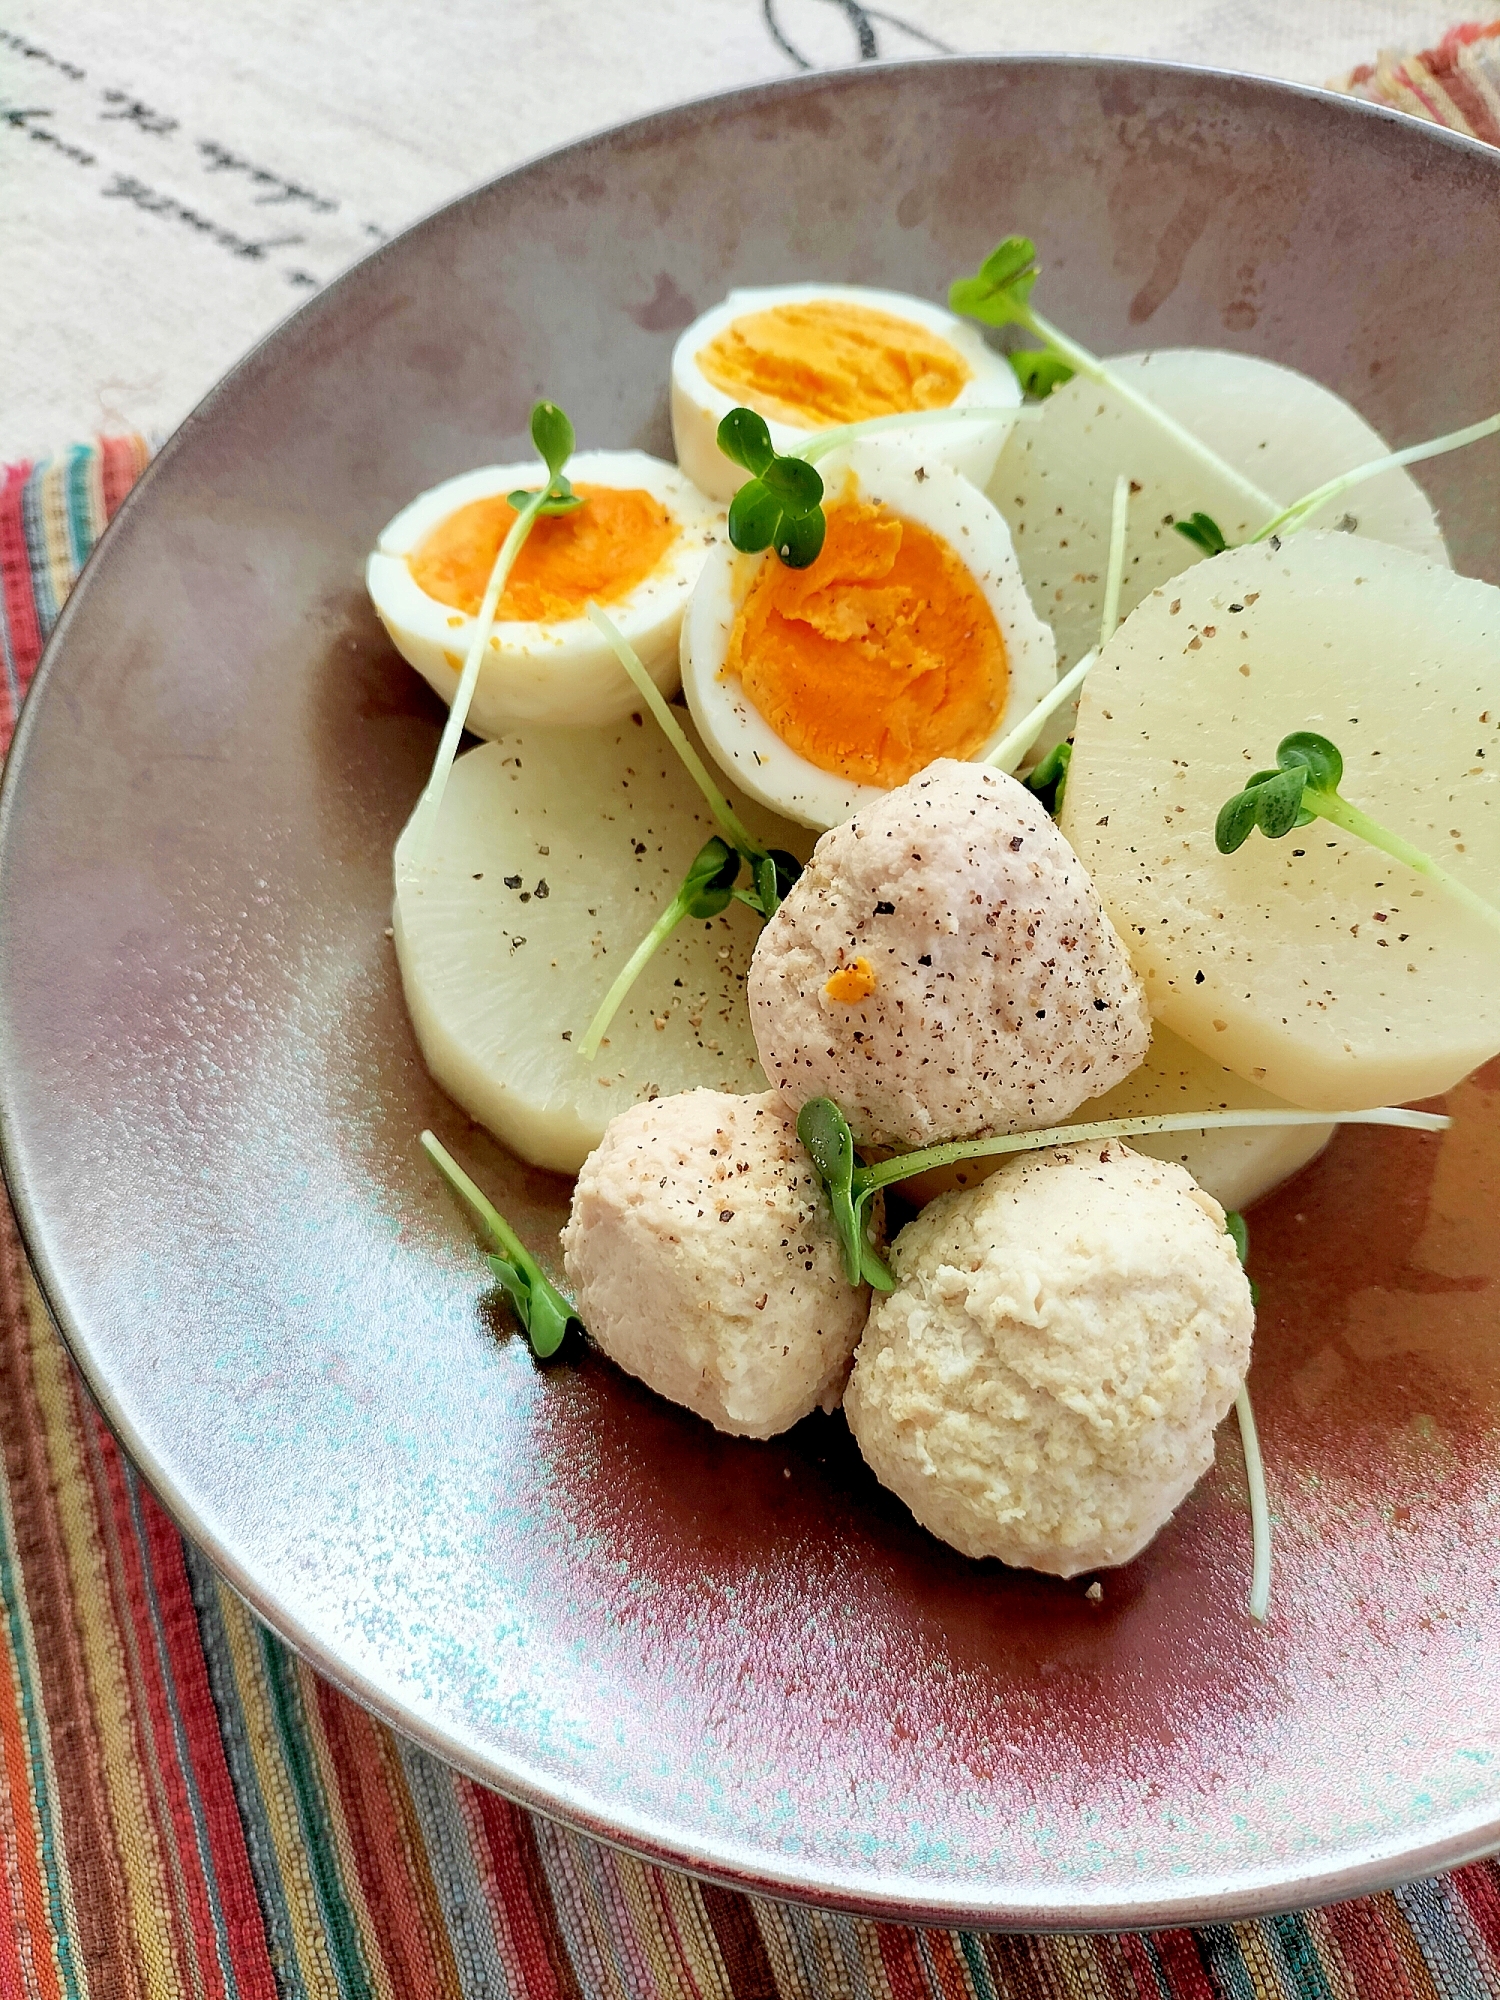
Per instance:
{"type": "Point", "coordinates": [1039, 371]}
{"type": "Point", "coordinates": [1305, 787]}
{"type": "Point", "coordinates": [1238, 1232]}
{"type": "Point", "coordinates": [1050, 778]}
{"type": "Point", "coordinates": [780, 506]}
{"type": "Point", "coordinates": [552, 434]}
{"type": "Point", "coordinates": [1204, 532]}
{"type": "Point", "coordinates": [799, 540]}
{"type": "Point", "coordinates": [824, 1131]}
{"type": "Point", "coordinates": [558, 498]}
{"type": "Point", "coordinates": [1316, 755]}
{"type": "Point", "coordinates": [1272, 800]}
{"type": "Point", "coordinates": [1000, 291]}
{"type": "Point", "coordinates": [773, 871]}
{"type": "Point", "coordinates": [795, 483]}
{"type": "Point", "coordinates": [745, 439]}
{"type": "Point", "coordinates": [754, 517]}
{"type": "Point", "coordinates": [710, 879]}
{"type": "Point", "coordinates": [540, 1307]}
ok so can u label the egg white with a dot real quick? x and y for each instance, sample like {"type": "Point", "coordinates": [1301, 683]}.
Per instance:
{"type": "Point", "coordinates": [560, 670]}
{"type": "Point", "coordinates": [941, 500]}
{"type": "Point", "coordinates": [698, 407]}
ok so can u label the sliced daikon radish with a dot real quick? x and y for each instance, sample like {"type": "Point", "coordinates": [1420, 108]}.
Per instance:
{"type": "Point", "coordinates": [1235, 1166]}
{"type": "Point", "coordinates": [1054, 478]}
{"type": "Point", "coordinates": [553, 853]}
{"type": "Point", "coordinates": [1313, 965]}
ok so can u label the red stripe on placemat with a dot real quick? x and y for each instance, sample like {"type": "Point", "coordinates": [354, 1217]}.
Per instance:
{"type": "Point", "coordinates": [159, 1745]}
{"type": "Point", "coordinates": [15, 581]}
{"type": "Point", "coordinates": [120, 467]}
{"type": "Point", "coordinates": [1482, 120]}
{"type": "Point", "coordinates": [942, 1953]}
{"type": "Point", "coordinates": [1369, 1933]}
{"type": "Point", "coordinates": [1479, 1886]}
{"type": "Point", "coordinates": [903, 1968]}
{"type": "Point", "coordinates": [244, 1926]}
{"type": "Point", "coordinates": [746, 1961]}
{"type": "Point", "coordinates": [1183, 1964]}
{"type": "Point", "coordinates": [25, 1909]}
{"type": "Point", "coordinates": [1136, 1954]}
{"type": "Point", "coordinates": [528, 1913]}
{"type": "Point", "coordinates": [418, 1959]}
{"type": "Point", "coordinates": [1111, 1971]}
{"type": "Point", "coordinates": [100, 1925]}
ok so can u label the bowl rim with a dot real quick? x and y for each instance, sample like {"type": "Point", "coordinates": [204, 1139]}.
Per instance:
{"type": "Point", "coordinates": [736, 1864]}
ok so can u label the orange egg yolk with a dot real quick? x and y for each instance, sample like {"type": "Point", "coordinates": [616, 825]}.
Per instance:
{"type": "Point", "coordinates": [823, 363]}
{"type": "Point", "coordinates": [878, 657]}
{"type": "Point", "coordinates": [851, 983]}
{"type": "Point", "coordinates": [600, 550]}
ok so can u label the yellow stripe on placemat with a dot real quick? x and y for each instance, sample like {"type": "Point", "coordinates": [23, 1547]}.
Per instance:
{"type": "Point", "coordinates": [338, 1825]}
{"type": "Point", "coordinates": [278, 1799]}
{"type": "Point", "coordinates": [23, 1837]}
{"type": "Point", "coordinates": [699, 1945]}
{"type": "Point", "coordinates": [150, 1905]}
{"type": "Point", "coordinates": [640, 1895]}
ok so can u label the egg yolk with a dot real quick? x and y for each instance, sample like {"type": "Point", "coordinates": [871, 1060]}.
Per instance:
{"type": "Point", "coordinates": [851, 983]}
{"type": "Point", "coordinates": [824, 363]}
{"type": "Point", "coordinates": [600, 550]}
{"type": "Point", "coordinates": [878, 657]}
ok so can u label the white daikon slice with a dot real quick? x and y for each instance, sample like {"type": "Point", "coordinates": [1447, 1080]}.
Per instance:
{"type": "Point", "coordinates": [1055, 477]}
{"type": "Point", "coordinates": [553, 853]}
{"type": "Point", "coordinates": [1313, 965]}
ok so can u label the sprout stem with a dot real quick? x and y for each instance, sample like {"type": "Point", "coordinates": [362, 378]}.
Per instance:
{"type": "Point", "coordinates": [883, 1172]}
{"type": "Point", "coordinates": [822, 442]}
{"type": "Point", "coordinates": [488, 1214]}
{"type": "Point", "coordinates": [731, 825]}
{"type": "Point", "coordinates": [609, 1006]}
{"type": "Point", "coordinates": [1114, 576]}
{"type": "Point", "coordinates": [1298, 512]}
{"type": "Point", "coordinates": [1260, 1509]}
{"type": "Point", "coordinates": [1333, 807]}
{"type": "Point", "coordinates": [1085, 363]}
{"type": "Point", "coordinates": [458, 710]}
{"type": "Point", "coordinates": [1012, 747]}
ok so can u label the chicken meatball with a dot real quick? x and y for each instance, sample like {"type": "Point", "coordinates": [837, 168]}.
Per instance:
{"type": "Point", "coordinates": [1044, 1383]}
{"type": "Point", "coordinates": [703, 1259]}
{"type": "Point", "coordinates": [944, 970]}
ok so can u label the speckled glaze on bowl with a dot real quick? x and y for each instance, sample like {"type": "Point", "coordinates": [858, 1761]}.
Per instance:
{"type": "Point", "coordinates": [743, 1658]}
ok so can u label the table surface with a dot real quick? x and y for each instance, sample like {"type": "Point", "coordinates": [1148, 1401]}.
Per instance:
{"type": "Point", "coordinates": [179, 177]}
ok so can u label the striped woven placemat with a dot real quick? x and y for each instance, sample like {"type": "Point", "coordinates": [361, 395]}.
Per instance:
{"type": "Point", "coordinates": [188, 1810]}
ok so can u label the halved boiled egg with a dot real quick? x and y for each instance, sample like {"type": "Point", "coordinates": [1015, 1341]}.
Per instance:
{"type": "Point", "coordinates": [910, 637]}
{"type": "Point", "coordinates": [635, 547]}
{"type": "Point", "coordinates": [812, 357]}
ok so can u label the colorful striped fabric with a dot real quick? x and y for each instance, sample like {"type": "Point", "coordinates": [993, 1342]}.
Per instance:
{"type": "Point", "coordinates": [187, 1810]}
{"type": "Point", "coordinates": [1457, 83]}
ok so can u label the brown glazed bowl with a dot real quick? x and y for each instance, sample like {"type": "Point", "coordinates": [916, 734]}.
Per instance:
{"type": "Point", "coordinates": [744, 1659]}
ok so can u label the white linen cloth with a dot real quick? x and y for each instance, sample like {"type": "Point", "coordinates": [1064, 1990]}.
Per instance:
{"type": "Point", "coordinates": [175, 176]}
